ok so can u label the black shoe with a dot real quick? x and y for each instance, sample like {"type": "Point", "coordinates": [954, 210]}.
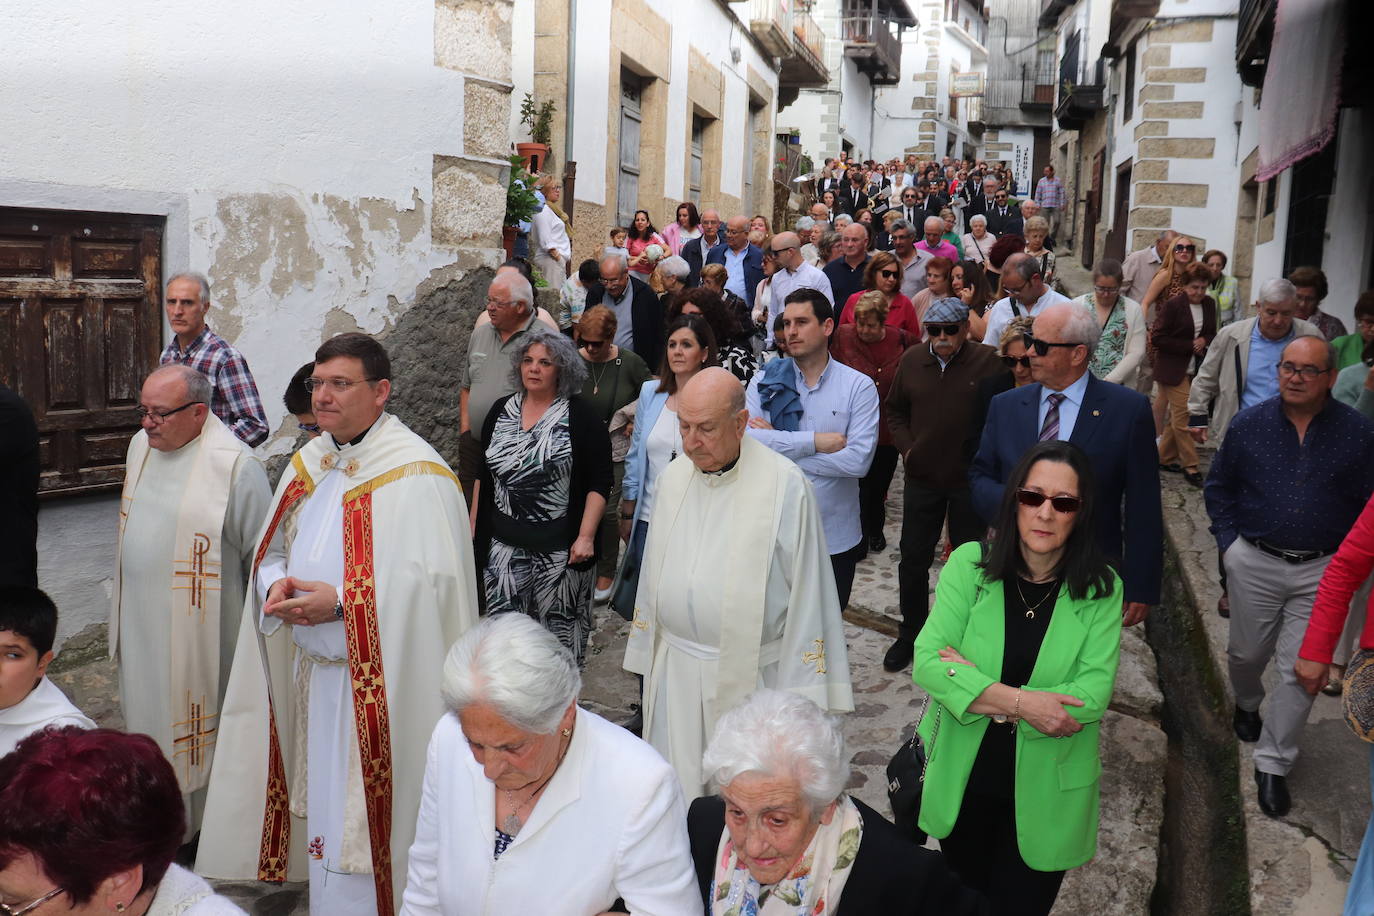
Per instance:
{"type": "Point", "coordinates": [1194, 478]}
{"type": "Point", "coordinates": [1172, 467]}
{"type": "Point", "coordinates": [636, 724]}
{"type": "Point", "coordinates": [877, 543]}
{"type": "Point", "coordinates": [899, 656]}
{"type": "Point", "coordinates": [1247, 725]}
{"type": "Point", "coordinates": [1274, 799]}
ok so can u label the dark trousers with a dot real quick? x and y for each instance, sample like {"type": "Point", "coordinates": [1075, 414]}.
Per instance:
{"type": "Point", "coordinates": [923, 518]}
{"type": "Point", "coordinates": [843, 564]}
{"type": "Point", "coordinates": [873, 489]}
{"type": "Point", "coordinates": [982, 851]}
{"type": "Point", "coordinates": [471, 458]}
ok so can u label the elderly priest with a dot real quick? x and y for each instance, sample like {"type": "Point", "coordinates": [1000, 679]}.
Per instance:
{"type": "Point", "coordinates": [736, 590]}
{"type": "Point", "coordinates": [367, 560]}
{"type": "Point", "coordinates": [194, 498]}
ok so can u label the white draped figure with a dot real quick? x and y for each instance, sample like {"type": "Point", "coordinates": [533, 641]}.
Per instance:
{"type": "Point", "coordinates": [736, 589]}
{"type": "Point", "coordinates": [194, 498]}
{"type": "Point", "coordinates": [366, 556]}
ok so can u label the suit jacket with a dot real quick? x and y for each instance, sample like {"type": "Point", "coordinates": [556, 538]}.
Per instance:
{"type": "Point", "coordinates": [646, 319]}
{"type": "Point", "coordinates": [1117, 431]}
{"type": "Point", "coordinates": [694, 253]}
{"type": "Point", "coordinates": [753, 269]}
{"type": "Point", "coordinates": [998, 223]}
{"type": "Point", "coordinates": [1056, 781]}
{"type": "Point", "coordinates": [1173, 337]}
{"type": "Point", "coordinates": [891, 873]}
{"type": "Point", "coordinates": [848, 200]}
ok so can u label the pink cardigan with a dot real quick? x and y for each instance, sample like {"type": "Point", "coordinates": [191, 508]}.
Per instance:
{"type": "Point", "coordinates": [1344, 575]}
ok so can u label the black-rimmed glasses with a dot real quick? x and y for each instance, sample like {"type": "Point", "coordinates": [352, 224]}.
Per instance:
{"type": "Point", "coordinates": [1308, 373]}
{"type": "Point", "coordinates": [1042, 347]}
{"type": "Point", "coordinates": [1033, 500]}
{"type": "Point", "coordinates": [158, 417]}
{"type": "Point", "coordinates": [943, 330]}
{"type": "Point", "coordinates": [1022, 361]}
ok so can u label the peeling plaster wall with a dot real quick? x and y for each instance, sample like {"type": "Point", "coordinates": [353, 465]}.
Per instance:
{"type": "Point", "coordinates": [330, 166]}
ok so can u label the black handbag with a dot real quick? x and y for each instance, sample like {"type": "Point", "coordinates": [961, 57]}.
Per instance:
{"type": "Point", "coordinates": [626, 584]}
{"type": "Point", "coordinates": [906, 775]}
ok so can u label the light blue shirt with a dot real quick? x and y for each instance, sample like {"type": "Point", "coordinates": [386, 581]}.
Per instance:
{"type": "Point", "coordinates": [843, 400]}
{"type": "Point", "coordinates": [734, 268]}
{"type": "Point", "coordinates": [1261, 371]}
{"type": "Point", "coordinates": [785, 282]}
{"type": "Point", "coordinates": [1068, 408]}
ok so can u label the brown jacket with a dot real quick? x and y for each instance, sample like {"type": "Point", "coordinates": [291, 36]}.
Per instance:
{"type": "Point", "coordinates": [1173, 336]}
{"type": "Point", "coordinates": [929, 411]}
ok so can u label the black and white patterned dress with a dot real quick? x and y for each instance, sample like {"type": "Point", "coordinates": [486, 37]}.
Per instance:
{"type": "Point", "coordinates": [531, 472]}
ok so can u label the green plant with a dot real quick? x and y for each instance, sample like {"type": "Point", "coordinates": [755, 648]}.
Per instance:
{"type": "Point", "coordinates": [520, 199]}
{"type": "Point", "coordinates": [538, 118]}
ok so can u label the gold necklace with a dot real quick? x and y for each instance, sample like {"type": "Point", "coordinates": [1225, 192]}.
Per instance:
{"type": "Point", "coordinates": [596, 377]}
{"type": "Point", "coordinates": [1030, 611]}
{"type": "Point", "coordinates": [511, 823]}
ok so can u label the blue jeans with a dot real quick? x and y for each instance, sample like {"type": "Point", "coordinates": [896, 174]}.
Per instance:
{"type": "Point", "coordinates": [1359, 900]}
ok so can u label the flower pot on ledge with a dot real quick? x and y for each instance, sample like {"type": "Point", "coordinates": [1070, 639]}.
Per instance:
{"type": "Point", "coordinates": [508, 234]}
{"type": "Point", "coordinates": [534, 156]}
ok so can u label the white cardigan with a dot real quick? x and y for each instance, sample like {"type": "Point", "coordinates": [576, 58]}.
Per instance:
{"type": "Point", "coordinates": [611, 823]}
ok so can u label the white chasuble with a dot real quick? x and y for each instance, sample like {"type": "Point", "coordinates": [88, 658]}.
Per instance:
{"type": "Point", "coordinates": [736, 592]}
{"type": "Point", "coordinates": [187, 525]}
{"type": "Point", "coordinates": [328, 724]}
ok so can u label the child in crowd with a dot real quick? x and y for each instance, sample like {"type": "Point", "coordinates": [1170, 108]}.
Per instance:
{"type": "Point", "coordinates": [572, 298]}
{"type": "Point", "coordinates": [620, 237]}
{"type": "Point", "coordinates": [28, 700]}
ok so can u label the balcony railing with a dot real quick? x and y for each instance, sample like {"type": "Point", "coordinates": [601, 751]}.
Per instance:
{"type": "Point", "coordinates": [809, 35]}
{"type": "Point", "coordinates": [1082, 93]}
{"type": "Point", "coordinates": [1254, 36]}
{"type": "Point", "coordinates": [1037, 86]}
{"type": "Point", "coordinates": [871, 44]}
{"type": "Point", "coordinates": [771, 23]}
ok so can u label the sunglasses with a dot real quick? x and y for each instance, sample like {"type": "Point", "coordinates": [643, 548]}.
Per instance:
{"type": "Point", "coordinates": [775, 252]}
{"type": "Point", "coordinates": [1185, 248]}
{"type": "Point", "coordinates": [1033, 500]}
{"type": "Point", "coordinates": [1042, 347]}
{"type": "Point", "coordinates": [592, 344]}
{"type": "Point", "coordinates": [942, 330]}
{"type": "Point", "coordinates": [887, 273]}
{"type": "Point", "coordinates": [1022, 361]}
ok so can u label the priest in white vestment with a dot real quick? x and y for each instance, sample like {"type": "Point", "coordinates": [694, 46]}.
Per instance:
{"type": "Point", "coordinates": [194, 499]}
{"type": "Point", "coordinates": [367, 558]}
{"type": "Point", "coordinates": [736, 589]}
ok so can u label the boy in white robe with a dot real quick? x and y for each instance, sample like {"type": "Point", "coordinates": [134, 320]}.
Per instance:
{"type": "Point", "coordinates": [28, 700]}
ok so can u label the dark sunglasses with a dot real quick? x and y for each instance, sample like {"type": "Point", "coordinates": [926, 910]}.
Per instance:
{"type": "Point", "coordinates": [1185, 248]}
{"type": "Point", "coordinates": [1042, 347]}
{"type": "Point", "coordinates": [942, 330]}
{"type": "Point", "coordinates": [1022, 361]}
{"type": "Point", "coordinates": [887, 273]}
{"type": "Point", "coordinates": [1033, 500]}
{"type": "Point", "coordinates": [592, 344]}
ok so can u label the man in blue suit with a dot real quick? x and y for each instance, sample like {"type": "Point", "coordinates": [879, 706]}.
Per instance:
{"type": "Point", "coordinates": [1111, 423]}
{"type": "Point", "coordinates": [743, 262]}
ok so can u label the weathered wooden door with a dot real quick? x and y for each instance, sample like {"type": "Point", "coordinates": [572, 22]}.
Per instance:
{"type": "Point", "coordinates": [1092, 210]}
{"type": "Point", "coordinates": [1118, 241]}
{"type": "Point", "coordinates": [80, 327]}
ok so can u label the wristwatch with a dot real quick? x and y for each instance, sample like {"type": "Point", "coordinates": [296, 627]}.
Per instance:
{"type": "Point", "coordinates": [338, 609]}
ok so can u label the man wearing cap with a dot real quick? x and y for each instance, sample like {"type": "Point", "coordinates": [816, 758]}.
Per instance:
{"type": "Point", "coordinates": [945, 371]}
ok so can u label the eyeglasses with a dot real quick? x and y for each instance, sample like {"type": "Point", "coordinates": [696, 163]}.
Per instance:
{"type": "Point", "coordinates": [308, 427]}
{"type": "Point", "coordinates": [8, 910]}
{"type": "Point", "coordinates": [604, 281]}
{"type": "Point", "coordinates": [1042, 347]}
{"type": "Point", "coordinates": [336, 385]}
{"type": "Point", "coordinates": [158, 417]}
{"type": "Point", "coordinates": [1033, 500]}
{"type": "Point", "coordinates": [1308, 373]}
{"type": "Point", "coordinates": [1106, 290]}
{"type": "Point", "coordinates": [1022, 361]}
{"type": "Point", "coordinates": [1362, 322]}
{"type": "Point", "coordinates": [943, 330]}
{"type": "Point", "coordinates": [500, 303]}
{"type": "Point", "coordinates": [592, 344]}
{"type": "Point", "coordinates": [890, 274]}
{"type": "Point", "coordinates": [1185, 248]}
{"type": "Point", "coordinates": [775, 252]}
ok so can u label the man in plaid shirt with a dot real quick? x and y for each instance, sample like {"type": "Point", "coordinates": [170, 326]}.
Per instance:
{"type": "Point", "coordinates": [235, 400]}
{"type": "Point", "coordinates": [1049, 194]}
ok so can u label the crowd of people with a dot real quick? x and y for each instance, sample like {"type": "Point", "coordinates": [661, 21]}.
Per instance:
{"type": "Point", "coordinates": [368, 675]}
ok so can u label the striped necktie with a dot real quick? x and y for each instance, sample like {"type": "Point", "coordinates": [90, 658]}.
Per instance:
{"type": "Point", "coordinates": [1050, 430]}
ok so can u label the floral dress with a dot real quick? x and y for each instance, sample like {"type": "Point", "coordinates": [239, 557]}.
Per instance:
{"type": "Point", "coordinates": [1111, 346]}
{"type": "Point", "coordinates": [531, 472]}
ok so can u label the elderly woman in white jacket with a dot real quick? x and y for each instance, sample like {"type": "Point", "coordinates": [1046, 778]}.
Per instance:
{"type": "Point", "coordinates": [1121, 348]}
{"type": "Point", "coordinates": [534, 805]}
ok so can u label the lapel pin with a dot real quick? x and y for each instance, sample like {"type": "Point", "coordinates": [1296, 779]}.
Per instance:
{"type": "Point", "coordinates": [1097, 413]}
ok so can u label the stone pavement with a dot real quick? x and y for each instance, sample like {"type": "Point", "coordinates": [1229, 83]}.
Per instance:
{"type": "Point", "coordinates": [1299, 863]}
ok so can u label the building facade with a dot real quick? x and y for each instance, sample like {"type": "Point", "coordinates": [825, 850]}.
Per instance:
{"type": "Point", "coordinates": [336, 171]}
{"type": "Point", "coordinates": [1020, 89]}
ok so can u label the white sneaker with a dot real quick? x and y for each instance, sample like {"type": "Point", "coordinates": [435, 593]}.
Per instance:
{"type": "Point", "coordinates": [602, 595]}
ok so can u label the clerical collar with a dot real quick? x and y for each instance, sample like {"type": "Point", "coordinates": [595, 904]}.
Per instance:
{"type": "Point", "coordinates": [355, 440]}
{"type": "Point", "coordinates": [724, 470]}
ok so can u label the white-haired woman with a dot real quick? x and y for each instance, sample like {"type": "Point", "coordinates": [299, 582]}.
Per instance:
{"type": "Point", "coordinates": [978, 240]}
{"type": "Point", "coordinates": [543, 491]}
{"type": "Point", "coordinates": [672, 276]}
{"type": "Point", "coordinates": [783, 838]}
{"type": "Point", "coordinates": [532, 804]}
{"type": "Point", "coordinates": [551, 249]}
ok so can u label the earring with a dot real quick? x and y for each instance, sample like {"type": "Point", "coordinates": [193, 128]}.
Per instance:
{"type": "Point", "coordinates": [567, 732]}
{"type": "Point", "coordinates": [119, 907]}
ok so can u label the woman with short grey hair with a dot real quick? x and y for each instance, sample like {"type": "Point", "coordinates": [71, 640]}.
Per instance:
{"type": "Point", "coordinates": [783, 837]}
{"type": "Point", "coordinates": [581, 814]}
{"type": "Point", "coordinates": [542, 491]}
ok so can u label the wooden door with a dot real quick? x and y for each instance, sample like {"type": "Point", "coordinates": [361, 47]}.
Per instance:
{"type": "Point", "coordinates": [80, 328]}
{"type": "Point", "coordinates": [1117, 239]}
{"type": "Point", "coordinates": [1092, 210]}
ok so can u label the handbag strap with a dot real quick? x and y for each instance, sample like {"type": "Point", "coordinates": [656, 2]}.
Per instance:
{"type": "Point", "coordinates": [916, 737]}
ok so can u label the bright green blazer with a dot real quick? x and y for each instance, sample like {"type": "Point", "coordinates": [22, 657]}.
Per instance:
{"type": "Point", "coordinates": [1056, 788]}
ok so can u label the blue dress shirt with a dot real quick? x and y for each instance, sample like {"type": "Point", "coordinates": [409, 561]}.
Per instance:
{"type": "Point", "coordinates": [734, 269]}
{"type": "Point", "coordinates": [1261, 370]}
{"type": "Point", "coordinates": [1265, 484]}
{"type": "Point", "coordinates": [1068, 408]}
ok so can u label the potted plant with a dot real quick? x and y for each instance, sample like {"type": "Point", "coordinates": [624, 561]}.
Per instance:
{"type": "Point", "coordinates": [520, 203]}
{"type": "Point", "coordinates": [539, 120]}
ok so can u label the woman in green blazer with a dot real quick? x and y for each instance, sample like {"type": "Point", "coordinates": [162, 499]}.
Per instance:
{"type": "Point", "coordinates": [1019, 657]}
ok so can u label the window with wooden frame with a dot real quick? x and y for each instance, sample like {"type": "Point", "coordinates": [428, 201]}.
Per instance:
{"type": "Point", "coordinates": [80, 328]}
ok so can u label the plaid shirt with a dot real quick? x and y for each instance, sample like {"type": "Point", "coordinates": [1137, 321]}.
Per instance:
{"type": "Point", "coordinates": [1049, 192]}
{"type": "Point", "coordinates": [235, 400]}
